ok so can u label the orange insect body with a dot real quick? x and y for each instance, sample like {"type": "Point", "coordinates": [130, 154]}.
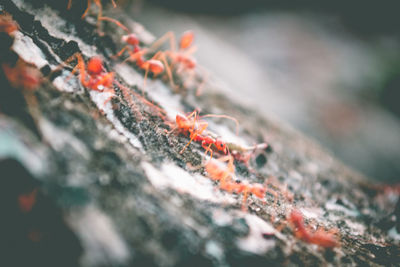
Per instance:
{"type": "Point", "coordinates": [183, 57]}
{"type": "Point", "coordinates": [186, 40]}
{"type": "Point", "coordinates": [153, 65]}
{"type": "Point", "coordinates": [194, 129]}
{"type": "Point", "coordinates": [225, 175]}
{"type": "Point", "coordinates": [93, 76]}
{"type": "Point", "coordinates": [7, 24]}
{"type": "Point", "coordinates": [218, 173]}
{"type": "Point", "coordinates": [22, 75]}
{"type": "Point", "coordinates": [245, 188]}
{"type": "Point", "coordinates": [95, 66]}
{"type": "Point", "coordinates": [185, 51]}
{"type": "Point", "coordinates": [135, 52]}
{"type": "Point", "coordinates": [27, 201]}
{"type": "Point", "coordinates": [319, 237]}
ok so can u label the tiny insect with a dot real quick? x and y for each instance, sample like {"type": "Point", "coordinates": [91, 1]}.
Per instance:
{"type": "Point", "coordinates": [7, 24]}
{"type": "Point", "coordinates": [246, 188]}
{"type": "Point", "coordinates": [182, 60]}
{"type": "Point", "coordinates": [218, 171]}
{"type": "Point", "coordinates": [22, 74]}
{"type": "Point", "coordinates": [182, 56]}
{"type": "Point", "coordinates": [195, 128]}
{"type": "Point", "coordinates": [155, 65]}
{"type": "Point", "coordinates": [93, 74]}
{"type": "Point", "coordinates": [321, 237]}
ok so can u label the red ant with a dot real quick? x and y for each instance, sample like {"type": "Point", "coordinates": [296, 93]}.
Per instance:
{"type": "Point", "coordinates": [153, 65]}
{"type": "Point", "coordinates": [183, 57]}
{"type": "Point", "coordinates": [194, 128]}
{"type": "Point", "coordinates": [244, 187]}
{"type": "Point", "coordinates": [319, 237]}
{"type": "Point", "coordinates": [7, 24]}
{"type": "Point", "coordinates": [19, 73]}
{"type": "Point", "coordinates": [22, 75]}
{"type": "Point", "coordinates": [218, 173]}
{"type": "Point", "coordinates": [93, 76]}
{"type": "Point", "coordinates": [225, 175]}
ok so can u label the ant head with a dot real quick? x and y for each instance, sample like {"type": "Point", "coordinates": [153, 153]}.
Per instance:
{"type": "Point", "coordinates": [95, 66]}
{"type": "Point", "coordinates": [130, 39]}
{"type": "Point", "coordinates": [221, 145]}
{"type": "Point", "coordinates": [186, 39]}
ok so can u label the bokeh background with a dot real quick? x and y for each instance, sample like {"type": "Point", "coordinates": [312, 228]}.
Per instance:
{"type": "Point", "coordinates": [331, 70]}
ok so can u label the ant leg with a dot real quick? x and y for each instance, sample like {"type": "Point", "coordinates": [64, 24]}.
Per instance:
{"type": "Point", "coordinates": [172, 130]}
{"type": "Point", "coordinates": [168, 70]}
{"type": "Point", "coordinates": [116, 22]}
{"type": "Point", "coordinates": [75, 69]}
{"type": "Point", "coordinates": [169, 35]}
{"type": "Point", "coordinates": [135, 56]}
{"type": "Point", "coordinates": [208, 149]}
{"type": "Point", "coordinates": [147, 72]}
{"type": "Point", "coordinates": [100, 14]}
{"type": "Point", "coordinates": [224, 116]}
{"type": "Point", "coordinates": [64, 63]}
{"type": "Point", "coordinates": [113, 3]}
{"type": "Point", "coordinates": [121, 52]}
{"type": "Point", "coordinates": [80, 66]}
{"type": "Point", "coordinates": [191, 139]}
{"type": "Point", "coordinates": [69, 4]}
{"type": "Point", "coordinates": [193, 135]}
{"type": "Point", "coordinates": [87, 9]}
{"type": "Point", "coordinates": [82, 70]}
{"type": "Point", "coordinates": [194, 113]}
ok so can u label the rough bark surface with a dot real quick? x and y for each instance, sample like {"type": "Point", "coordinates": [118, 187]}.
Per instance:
{"type": "Point", "coordinates": [113, 189]}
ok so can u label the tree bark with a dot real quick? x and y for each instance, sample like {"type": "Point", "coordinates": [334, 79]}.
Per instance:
{"type": "Point", "coordinates": [92, 184]}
